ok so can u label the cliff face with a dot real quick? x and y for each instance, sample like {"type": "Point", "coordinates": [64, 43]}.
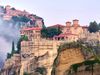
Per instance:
{"type": "Point", "coordinates": [11, 20]}
{"type": "Point", "coordinates": [66, 57]}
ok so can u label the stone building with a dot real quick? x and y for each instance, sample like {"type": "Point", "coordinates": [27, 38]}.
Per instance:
{"type": "Point", "coordinates": [36, 46]}
{"type": "Point", "coordinates": [13, 12]}
{"type": "Point", "coordinates": [72, 32]}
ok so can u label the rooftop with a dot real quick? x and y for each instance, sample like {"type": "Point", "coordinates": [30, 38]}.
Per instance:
{"type": "Point", "coordinates": [33, 28]}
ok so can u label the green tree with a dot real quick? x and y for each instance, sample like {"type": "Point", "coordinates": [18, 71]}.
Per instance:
{"type": "Point", "coordinates": [44, 33]}
{"type": "Point", "coordinates": [50, 32]}
{"type": "Point", "coordinates": [75, 67]}
{"type": "Point", "coordinates": [25, 73]}
{"type": "Point", "coordinates": [99, 26]}
{"type": "Point", "coordinates": [22, 38]}
{"type": "Point", "coordinates": [41, 70]}
{"type": "Point", "coordinates": [93, 27]}
{"type": "Point", "coordinates": [15, 18]}
{"type": "Point", "coordinates": [24, 19]}
{"type": "Point", "coordinates": [91, 64]}
{"type": "Point", "coordinates": [20, 19]}
{"type": "Point", "coordinates": [8, 55]}
{"type": "Point", "coordinates": [13, 49]}
{"type": "Point", "coordinates": [43, 26]}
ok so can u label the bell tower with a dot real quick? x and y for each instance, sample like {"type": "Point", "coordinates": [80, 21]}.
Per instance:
{"type": "Point", "coordinates": [75, 23]}
{"type": "Point", "coordinates": [68, 24]}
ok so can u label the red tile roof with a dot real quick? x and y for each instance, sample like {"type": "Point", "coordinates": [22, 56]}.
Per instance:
{"type": "Point", "coordinates": [33, 28]}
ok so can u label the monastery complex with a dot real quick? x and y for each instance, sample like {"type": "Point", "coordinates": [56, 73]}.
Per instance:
{"type": "Point", "coordinates": [37, 46]}
{"type": "Point", "coordinates": [41, 52]}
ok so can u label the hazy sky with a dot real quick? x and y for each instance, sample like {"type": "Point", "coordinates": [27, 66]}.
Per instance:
{"type": "Point", "coordinates": [59, 11]}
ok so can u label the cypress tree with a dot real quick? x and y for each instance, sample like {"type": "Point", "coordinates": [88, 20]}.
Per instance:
{"type": "Point", "coordinates": [13, 48]}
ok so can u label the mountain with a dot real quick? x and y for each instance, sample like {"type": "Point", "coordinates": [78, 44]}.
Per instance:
{"type": "Point", "coordinates": [11, 21]}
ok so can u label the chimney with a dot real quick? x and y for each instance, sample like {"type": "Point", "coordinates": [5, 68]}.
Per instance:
{"type": "Point", "coordinates": [68, 24]}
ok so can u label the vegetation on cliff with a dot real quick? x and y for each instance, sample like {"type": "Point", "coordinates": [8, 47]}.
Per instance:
{"type": "Point", "coordinates": [50, 32]}
{"type": "Point", "coordinates": [88, 64]}
{"type": "Point", "coordinates": [41, 70]}
{"type": "Point", "coordinates": [74, 67]}
{"type": "Point", "coordinates": [12, 51]}
{"type": "Point", "coordinates": [62, 48]}
{"type": "Point", "coordinates": [22, 38]}
{"type": "Point", "coordinates": [20, 19]}
{"type": "Point", "coordinates": [94, 27]}
{"type": "Point", "coordinates": [25, 73]}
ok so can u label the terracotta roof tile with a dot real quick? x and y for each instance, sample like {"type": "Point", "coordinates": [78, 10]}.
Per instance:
{"type": "Point", "coordinates": [33, 28]}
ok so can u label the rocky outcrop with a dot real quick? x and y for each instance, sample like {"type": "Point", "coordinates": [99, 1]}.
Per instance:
{"type": "Point", "coordinates": [68, 54]}
{"type": "Point", "coordinates": [11, 66]}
